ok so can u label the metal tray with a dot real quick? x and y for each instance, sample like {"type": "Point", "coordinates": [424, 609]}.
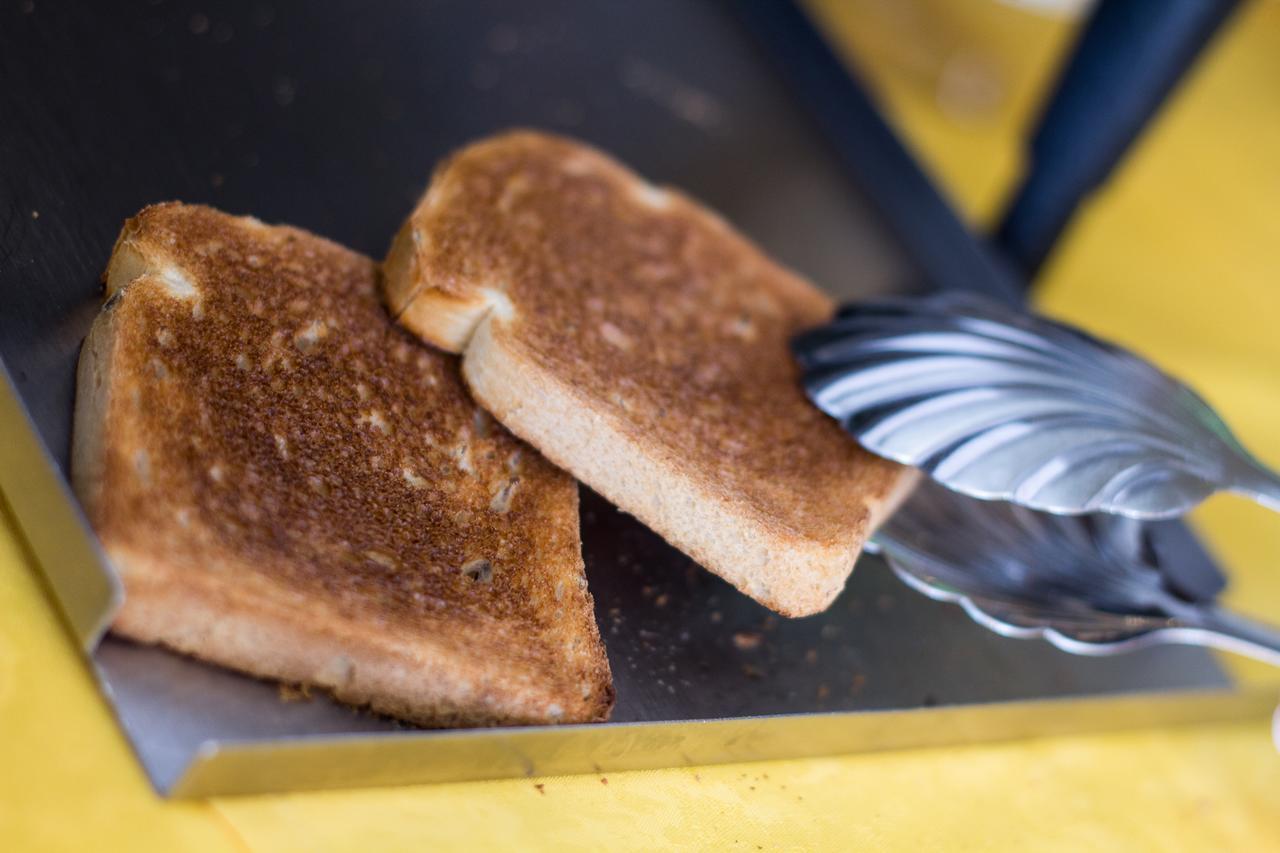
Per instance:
{"type": "Point", "coordinates": [330, 116]}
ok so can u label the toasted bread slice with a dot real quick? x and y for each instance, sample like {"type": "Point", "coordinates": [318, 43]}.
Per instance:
{"type": "Point", "coordinates": [292, 486]}
{"type": "Point", "coordinates": [640, 343]}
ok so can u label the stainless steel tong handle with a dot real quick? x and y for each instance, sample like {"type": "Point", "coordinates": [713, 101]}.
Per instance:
{"type": "Point", "coordinates": [1083, 584]}
{"type": "Point", "coordinates": [1221, 629]}
{"type": "Point", "coordinates": [1255, 480]}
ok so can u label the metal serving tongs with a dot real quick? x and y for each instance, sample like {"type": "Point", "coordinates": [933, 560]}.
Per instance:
{"type": "Point", "coordinates": [1044, 446]}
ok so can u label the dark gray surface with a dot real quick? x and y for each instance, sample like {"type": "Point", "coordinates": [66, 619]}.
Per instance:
{"type": "Point", "coordinates": [330, 117]}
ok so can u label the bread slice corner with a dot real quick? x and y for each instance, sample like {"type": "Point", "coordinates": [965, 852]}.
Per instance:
{"type": "Point", "coordinates": [291, 486]}
{"type": "Point", "coordinates": [641, 344]}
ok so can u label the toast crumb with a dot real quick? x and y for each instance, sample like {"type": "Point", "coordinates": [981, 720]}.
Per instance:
{"type": "Point", "coordinates": [290, 693]}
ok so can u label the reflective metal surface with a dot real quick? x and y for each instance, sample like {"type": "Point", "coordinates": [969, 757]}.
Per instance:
{"type": "Point", "coordinates": [309, 763]}
{"type": "Point", "coordinates": [685, 648]}
{"type": "Point", "coordinates": [331, 116]}
{"type": "Point", "coordinates": [1004, 405]}
{"type": "Point", "coordinates": [41, 504]}
{"type": "Point", "coordinates": [1079, 582]}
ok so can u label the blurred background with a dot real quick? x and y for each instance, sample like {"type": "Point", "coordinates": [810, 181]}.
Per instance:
{"type": "Point", "coordinates": [1176, 255]}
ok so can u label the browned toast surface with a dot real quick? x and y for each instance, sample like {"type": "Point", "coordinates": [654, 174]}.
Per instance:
{"type": "Point", "coordinates": [642, 344]}
{"type": "Point", "coordinates": [291, 485]}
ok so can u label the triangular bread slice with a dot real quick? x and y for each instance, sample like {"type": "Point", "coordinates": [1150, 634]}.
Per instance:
{"type": "Point", "coordinates": [292, 486]}
{"type": "Point", "coordinates": [640, 343]}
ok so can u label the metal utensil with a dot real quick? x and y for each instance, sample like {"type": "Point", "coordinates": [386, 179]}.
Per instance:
{"type": "Point", "coordinates": [1080, 582]}
{"type": "Point", "coordinates": [1003, 405]}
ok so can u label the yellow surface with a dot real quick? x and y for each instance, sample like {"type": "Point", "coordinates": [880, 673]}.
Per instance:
{"type": "Point", "coordinates": [1179, 257]}
{"type": "Point", "coordinates": [962, 80]}
{"type": "Point", "coordinates": [68, 782]}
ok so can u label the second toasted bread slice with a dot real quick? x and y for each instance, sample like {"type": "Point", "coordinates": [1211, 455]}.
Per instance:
{"type": "Point", "coordinates": [292, 486]}
{"type": "Point", "coordinates": [639, 342]}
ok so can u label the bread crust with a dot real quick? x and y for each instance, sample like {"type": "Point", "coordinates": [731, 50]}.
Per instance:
{"type": "Point", "coordinates": [642, 344]}
{"type": "Point", "coordinates": [290, 486]}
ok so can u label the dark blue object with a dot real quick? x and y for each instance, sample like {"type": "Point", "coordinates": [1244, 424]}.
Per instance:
{"type": "Point", "coordinates": [929, 229]}
{"type": "Point", "coordinates": [1128, 58]}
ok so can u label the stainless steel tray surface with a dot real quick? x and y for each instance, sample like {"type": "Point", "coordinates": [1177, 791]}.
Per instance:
{"type": "Point", "coordinates": [683, 646]}
{"type": "Point", "coordinates": [330, 117]}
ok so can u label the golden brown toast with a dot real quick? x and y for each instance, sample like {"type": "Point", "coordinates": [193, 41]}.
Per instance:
{"type": "Point", "coordinates": [290, 485]}
{"type": "Point", "coordinates": [640, 343]}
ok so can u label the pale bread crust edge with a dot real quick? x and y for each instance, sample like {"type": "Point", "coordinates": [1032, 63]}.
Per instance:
{"type": "Point", "coordinates": [252, 633]}
{"type": "Point", "coordinates": [88, 431]}
{"type": "Point", "coordinates": [792, 575]}
{"type": "Point", "coordinates": [789, 573]}
{"type": "Point", "coordinates": [268, 639]}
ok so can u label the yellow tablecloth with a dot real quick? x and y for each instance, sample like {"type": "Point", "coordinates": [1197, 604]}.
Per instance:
{"type": "Point", "coordinates": [1180, 257]}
